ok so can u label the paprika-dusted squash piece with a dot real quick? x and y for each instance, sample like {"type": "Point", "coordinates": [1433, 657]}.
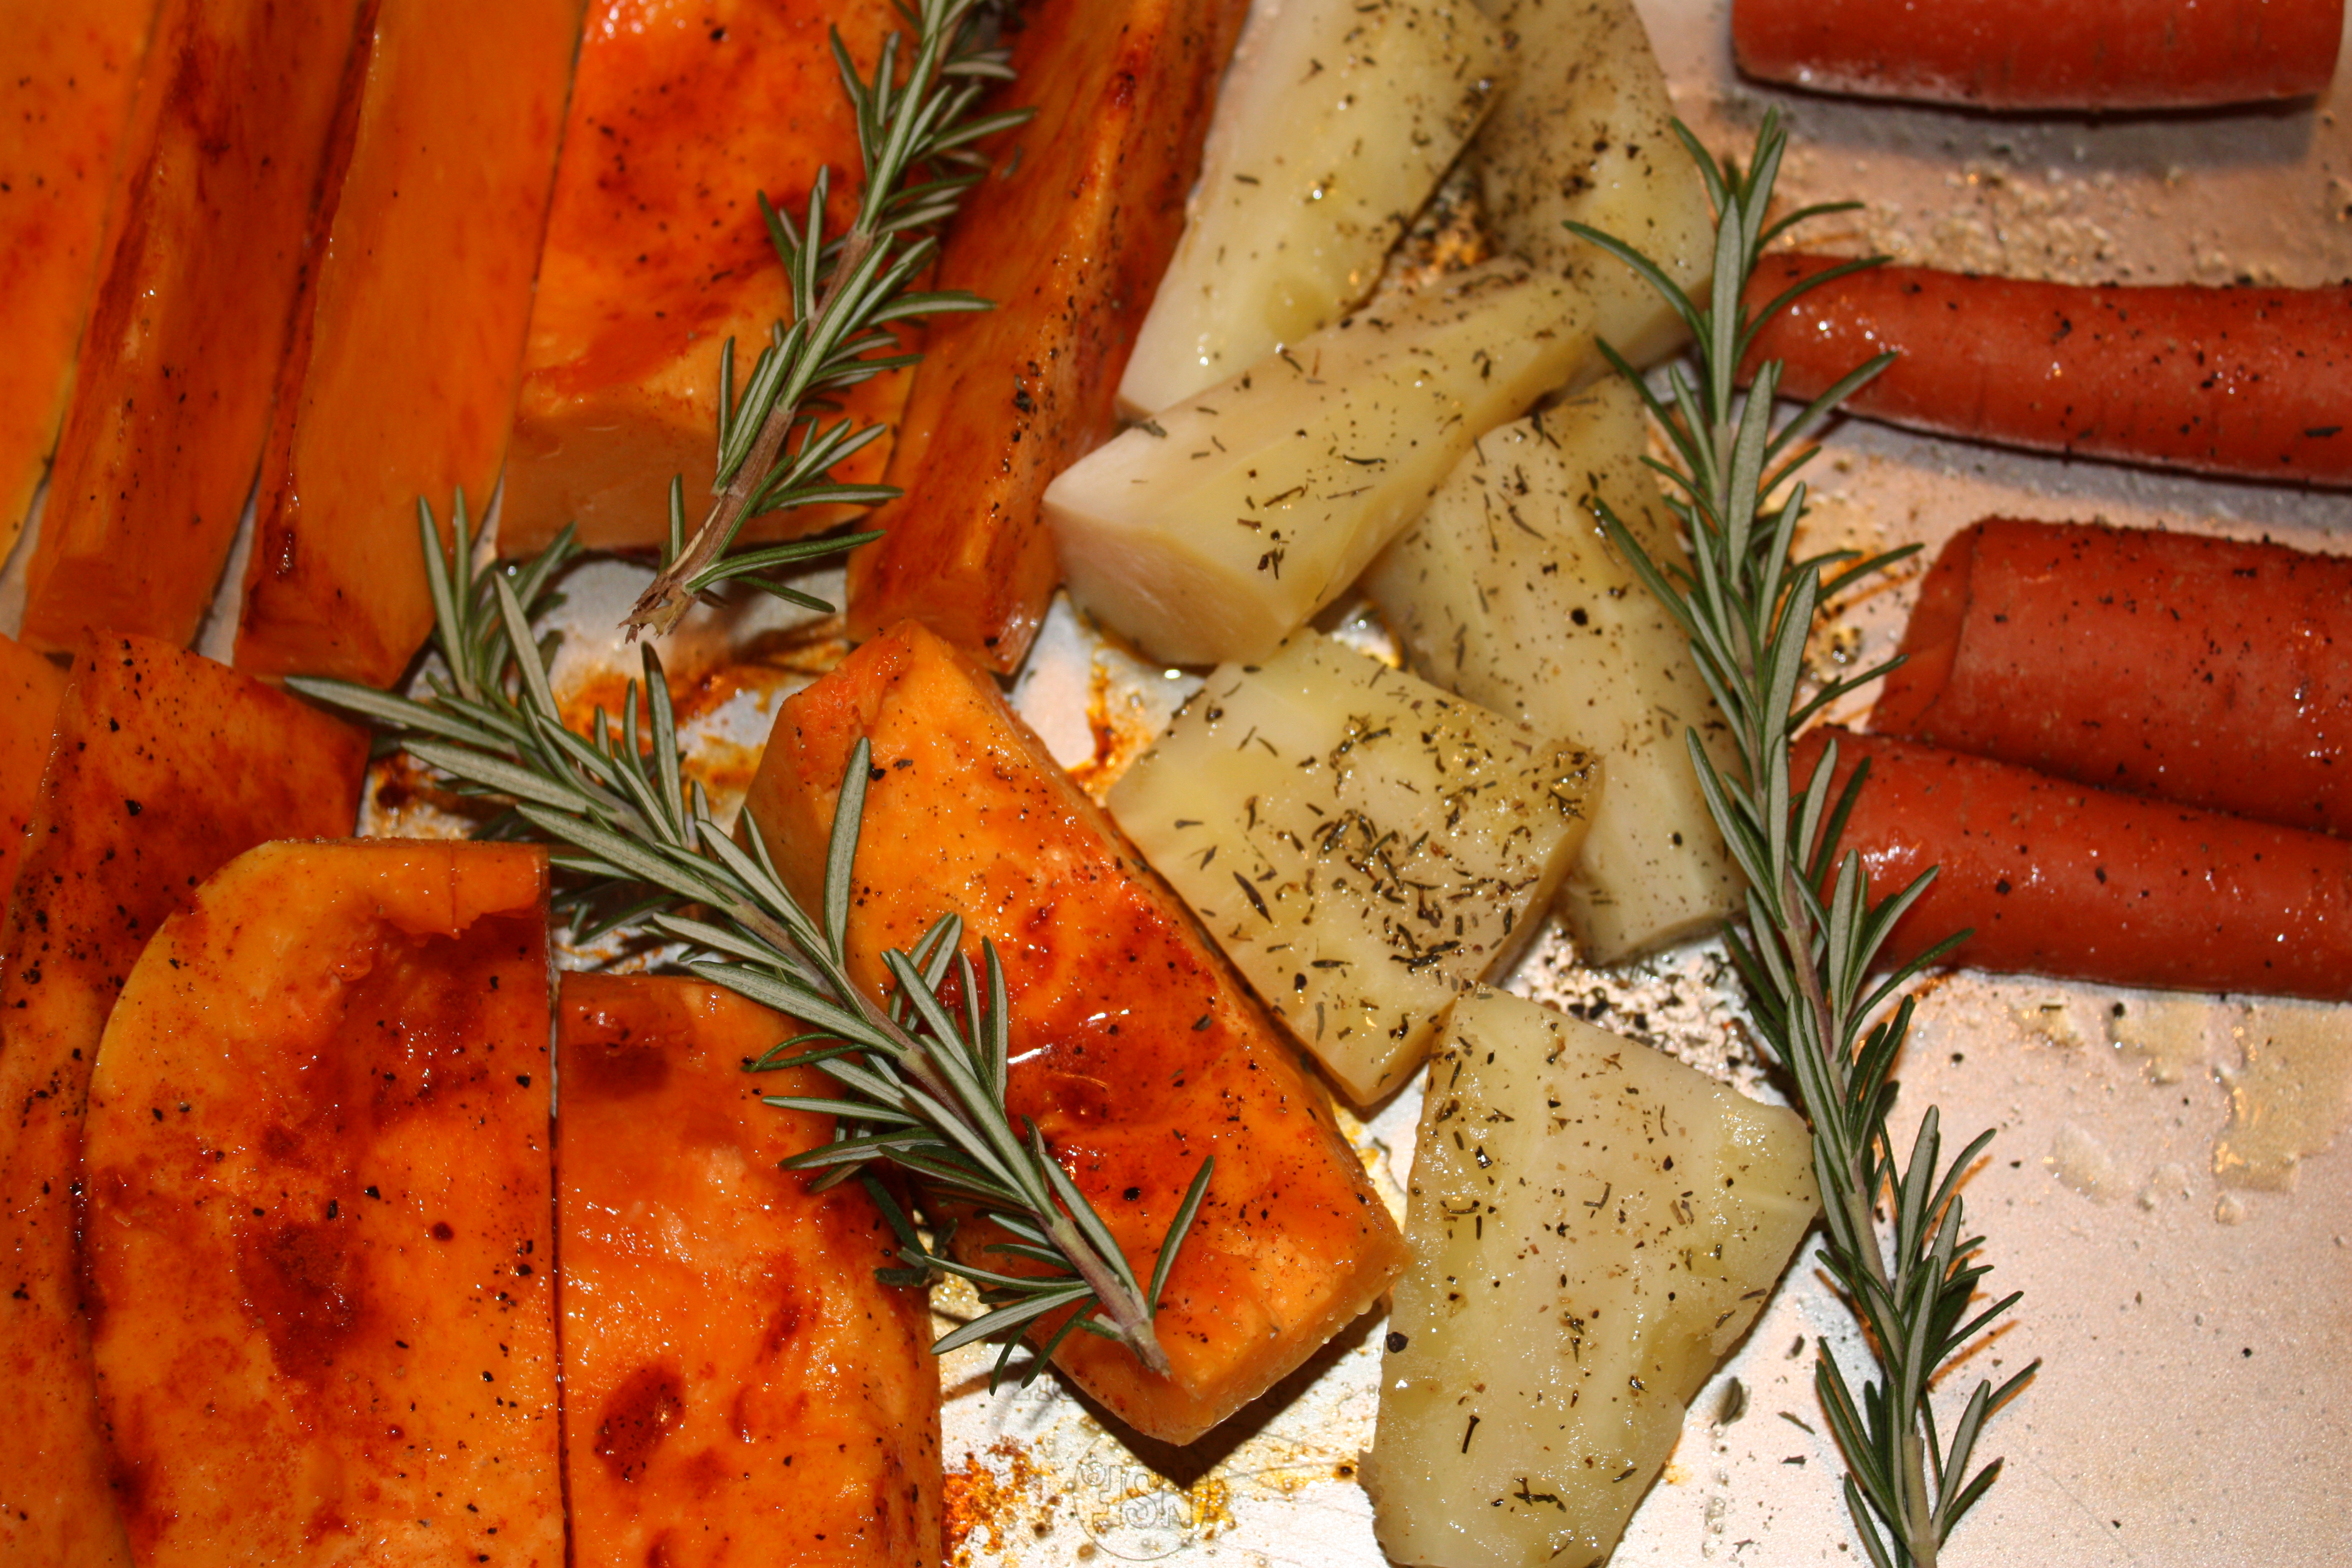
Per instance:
{"type": "Point", "coordinates": [166, 767]}
{"type": "Point", "coordinates": [30, 690]}
{"type": "Point", "coordinates": [66, 76]}
{"type": "Point", "coordinates": [320, 1239]}
{"type": "Point", "coordinates": [400, 381]}
{"type": "Point", "coordinates": [1135, 1048]}
{"type": "Point", "coordinates": [682, 113]}
{"type": "Point", "coordinates": [738, 1388]}
{"type": "Point", "coordinates": [206, 240]}
{"type": "Point", "coordinates": [1068, 238]}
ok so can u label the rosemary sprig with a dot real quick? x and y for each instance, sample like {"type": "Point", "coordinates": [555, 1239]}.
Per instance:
{"type": "Point", "coordinates": [922, 1081]}
{"type": "Point", "coordinates": [1812, 932]}
{"type": "Point", "coordinates": [915, 132]}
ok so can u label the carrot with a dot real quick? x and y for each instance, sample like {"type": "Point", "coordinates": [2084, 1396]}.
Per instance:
{"type": "Point", "coordinates": [2212, 672]}
{"type": "Point", "coordinates": [2035, 54]}
{"type": "Point", "coordinates": [2056, 877]}
{"type": "Point", "coordinates": [2253, 382]}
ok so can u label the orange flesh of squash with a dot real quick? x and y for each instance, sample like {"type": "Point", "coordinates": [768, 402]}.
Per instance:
{"type": "Point", "coordinates": [205, 244]}
{"type": "Point", "coordinates": [30, 690]}
{"type": "Point", "coordinates": [738, 1388]}
{"type": "Point", "coordinates": [320, 1221]}
{"type": "Point", "coordinates": [1135, 1049]}
{"type": "Point", "coordinates": [1069, 242]}
{"type": "Point", "coordinates": [166, 767]}
{"type": "Point", "coordinates": [682, 112]}
{"type": "Point", "coordinates": [65, 76]}
{"type": "Point", "coordinates": [409, 339]}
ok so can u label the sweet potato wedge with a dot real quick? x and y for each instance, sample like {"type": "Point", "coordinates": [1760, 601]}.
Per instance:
{"type": "Point", "coordinates": [1135, 1049]}
{"type": "Point", "coordinates": [196, 278]}
{"type": "Point", "coordinates": [166, 767]}
{"type": "Point", "coordinates": [1069, 241]}
{"type": "Point", "coordinates": [69, 71]}
{"type": "Point", "coordinates": [400, 381]}
{"type": "Point", "coordinates": [321, 1239]}
{"type": "Point", "coordinates": [655, 255]}
{"type": "Point", "coordinates": [738, 1386]}
{"type": "Point", "coordinates": [30, 690]}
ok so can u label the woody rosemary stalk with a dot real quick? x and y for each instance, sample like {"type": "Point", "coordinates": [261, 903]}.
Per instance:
{"type": "Point", "coordinates": [1812, 935]}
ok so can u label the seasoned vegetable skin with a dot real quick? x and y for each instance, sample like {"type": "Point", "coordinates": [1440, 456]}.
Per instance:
{"type": "Point", "coordinates": [1135, 1049]}
{"type": "Point", "coordinates": [738, 1388]}
{"type": "Point", "coordinates": [319, 1246]}
{"type": "Point", "coordinates": [400, 382]}
{"type": "Point", "coordinates": [2026, 54]}
{"type": "Point", "coordinates": [2214, 672]}
{"type": "Point", "coordinates": [1094, 185]}
{"type": "Point", "coordinates": [655, 254]}
{"type": "Point", "coordinates": [71, 70]}
{"type": "Point", "coordinates": [205, 246]}
{"type": "Point", "coordinates": [166, 767]}
{"type": "Point", "coordinates": [2057, 877]}
{"type": "Point", "coordinates": [2249, 381]}
{"type": "Point", "coordinates": [30, 690]}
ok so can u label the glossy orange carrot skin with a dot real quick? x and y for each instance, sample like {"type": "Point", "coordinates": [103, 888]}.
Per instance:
{"type": "Point", "coordinates": [166, 767]}
{"type": "Point", "coordinates": [67, 73]}
{"type": "Point", "coordinates": [2249, 381]}
{"type": "Point", "coordinates": [30, 690]}
{"type": "Point", "coordinates": [2033, 54]}
{"type": "Point", "coordinates": [739, 1387]}
{"type": "Point", "coordinates": [1135, 1049]}
{"type": "Point", "coordinates": [1094, 186]}
{"type": "Point", "coordinates": [400, 382]}
{"type": "Point", "coordinates": [682, 112]}
{"type": "Point", "coordinates": [203, 251]}
{"type": "Point", "coordinates": [2057, 877]}
{"type": "Point", "coordinates": [2213, 672]}
{"type": "Point", "coordinates": [321, 1236]}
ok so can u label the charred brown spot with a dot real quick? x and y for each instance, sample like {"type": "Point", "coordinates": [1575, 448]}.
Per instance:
{"type": "Point", "coordinates": [305, 1289]}
{"type": "Point", "coordinates": [637, 1419]}
{"type": "Point", "coordinates": [617, 1069]}
{"type": "Point", "coordinates": [791, 1313]}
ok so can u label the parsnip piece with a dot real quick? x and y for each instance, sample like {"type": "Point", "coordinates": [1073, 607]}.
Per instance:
{"type": "Point", "coordinates": [1217, 531]}
{"type": "Point", "coordinates": [1506, 593]}
{"type": "Point", "coordinates": [1593, 1225]}
{"type": "Point", "coordinates": [1363, 847]}
{"type": "Point", "coordinates": [1337, 119]}
{"type": "Point", "coordinates": [1584, 131]}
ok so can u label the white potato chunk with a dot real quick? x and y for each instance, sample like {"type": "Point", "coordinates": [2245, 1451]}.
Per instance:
{"type": "Point", "coordinates": [1584, 131]}
{"type": "Point", "coordinates": [1337, 120]}
{"type": "Point", "coordinates": [1217, 530]}
{"type": "Point", "coordinates": [1507, 593]}
{"type": "Point", "coordinates": [1363, 846]}
{"type": "Point", "coordinates": [1593, 1225]}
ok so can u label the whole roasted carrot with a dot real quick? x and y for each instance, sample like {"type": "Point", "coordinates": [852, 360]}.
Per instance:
{"type": "Point", "coordinates": [2044, 53]}
{"type": "Point", "coordinates": [2213, 672]}
{"type": "Point", "coordinates": [2057, 877]}
{"type": "Point", "coordinates": [2253, 382]}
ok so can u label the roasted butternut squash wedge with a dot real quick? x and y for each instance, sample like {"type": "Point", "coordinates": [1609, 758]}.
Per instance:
{"type": "Point", "coordinates": [30, 690]}
{"type": "Point", "coordinates": [400, 381]}
{"type": "Point", "coordinates": [203, 252]}
{"type": "Point", "coordinates": [683, 111]}
{"type": "Point", "coordinates": [1135, 1049]}
{"type": "Point", "coordinates": [1093, 189]}
{"type": "Point", "coordinates": [166, 767]}
{"type": "Point", "coordinates": [66, 78]}
{"type": "Point", "coordinates": [319, 1235]}
{"type": "Point", "coordinates": [738, 1386]}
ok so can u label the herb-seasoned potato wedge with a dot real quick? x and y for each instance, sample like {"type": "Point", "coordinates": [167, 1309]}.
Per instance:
{"type": "Point", "coordinates": [166, 767]}
{"type": "Point", "coordinates": [1093, 188]}
{"type": "Point", "coordinates": [740, 1388]}
{"type": "Point", "coordinates": [1337, 120]}
{"type": "Point", "coordinates": [321, 1236]}
{"type": "Point", "coordinates": [1364, 847]}
{"type": "Point", "coordinates": [408, 339]}
{"type": "Point", "coordinates": [208, 228]}
{"type": "Point", "coordinates": [1594, 1223]}
{"type": "Point", "coordinates": [30, 690]}
{"type": "Point", "coordinates": [1136, 1050]}
{"type": "Point", "coordinates": [1218, 529]}
{"type": "Point", "coordinates": [1507, 593]}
